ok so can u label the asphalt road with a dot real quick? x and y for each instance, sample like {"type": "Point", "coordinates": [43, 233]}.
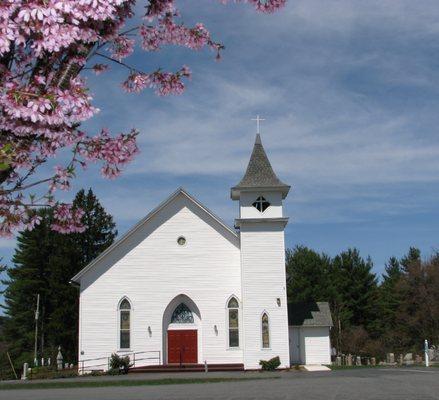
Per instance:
{"type": "Point", "coordinates": [364, 384]}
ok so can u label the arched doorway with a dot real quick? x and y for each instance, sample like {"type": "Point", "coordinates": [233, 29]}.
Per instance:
{"type": "Point", "coordinates": [182, 331]}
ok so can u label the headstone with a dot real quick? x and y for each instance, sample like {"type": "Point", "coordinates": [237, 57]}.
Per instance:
{"type": "Point", "coordinates": [349, 360]}
{"type": "Point", "coordinates": [71, 365]}
{"type": "Point", "coordinates": [48, 361]}
{"type": "Point", "coordinates": [59, 359]}
{"type": "Point", "coordinates": [358, 360]}
{"type": "Point", "coordinates": [373, 361]}
{"type": "Point", "coordinates": [42, 361]}
{"type": "Point", "coordinates": [401, 359]}
{"type": "Point", "coordinates": [390, 358]}
{"type": "Point", "coordinates": [66, 365]}
{"type": "Point", "coordinates": [408, 359]}
{"type": "Point", "coordinates": [338, 361]}
{"type": "Point", "coordinates": [418, 359]}
{"type": "Point", "coordinates": [25, 369]}
{"type": "Point", "coordinates": [368, 361]}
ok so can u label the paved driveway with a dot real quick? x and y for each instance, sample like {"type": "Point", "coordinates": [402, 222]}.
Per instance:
{"type": "Point", "coordinates": [383, 384]}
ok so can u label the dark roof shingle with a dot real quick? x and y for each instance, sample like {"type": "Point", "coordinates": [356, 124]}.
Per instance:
{"type": "Point", "coordinates": [259, 173]}
{"type": "Point", "coordinates": [309, 314]}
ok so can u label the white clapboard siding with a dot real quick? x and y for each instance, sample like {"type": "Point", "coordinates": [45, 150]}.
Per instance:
{"type": "Point", "coordinates": [151, 269]}
{"type": "Point", "coordinates": [263, 282]}
{"type": "Point", "coordinates": [316, 345]}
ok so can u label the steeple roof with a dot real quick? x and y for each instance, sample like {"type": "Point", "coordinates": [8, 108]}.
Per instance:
{"type": "Point", "coordinates": [259, 174]}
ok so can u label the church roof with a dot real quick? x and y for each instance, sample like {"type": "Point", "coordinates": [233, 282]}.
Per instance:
{"type": "Point", "coordinates": [179, 192]}
{"type": "Point", "coordinates": [259, 173]}
{"type": "Point", "coordinates": [309, 314]}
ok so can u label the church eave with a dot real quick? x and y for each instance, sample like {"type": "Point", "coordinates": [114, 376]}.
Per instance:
{"type": "Point", "coordinates": [240, 221]}
{"type": "Point", "coordinates": [236, 191]}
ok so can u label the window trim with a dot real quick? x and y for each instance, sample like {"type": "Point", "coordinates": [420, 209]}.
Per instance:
{"type": "Point", "coordinates": [228, 347]}
{"type": "Point", "coordinates": [119, 329]}
{"type": "Point", "coordinates": [261, 331]}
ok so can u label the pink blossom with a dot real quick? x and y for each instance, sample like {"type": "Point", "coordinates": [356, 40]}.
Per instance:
{"type": "Point", "coordinates": [67, 219]}
{"type": "Point", "coordinates": [44, 98]}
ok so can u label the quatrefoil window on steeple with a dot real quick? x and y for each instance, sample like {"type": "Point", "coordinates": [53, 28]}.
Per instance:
{"type": "Point", "coordinates": [261, 204]}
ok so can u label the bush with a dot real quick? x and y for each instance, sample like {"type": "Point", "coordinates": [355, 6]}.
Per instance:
{"type": "Point", "coordinates": [271, 364]}
{"type": "Point", "coordinates": [119, 365]}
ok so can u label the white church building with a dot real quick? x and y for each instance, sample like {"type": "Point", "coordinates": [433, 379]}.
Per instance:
{"type": "Point", "coordinates": [183, 288]}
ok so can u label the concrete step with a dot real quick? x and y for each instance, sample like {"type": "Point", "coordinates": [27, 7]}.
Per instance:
{"type": "Point", "coordinates": [187, 368]}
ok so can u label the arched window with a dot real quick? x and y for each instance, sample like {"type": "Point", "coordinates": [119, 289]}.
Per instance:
{"type": "Point", "coordinates": [233, 314]}
{"type": "Point", "coordinates": [265, 331]}
{"type": "Point", "coordinates": [182, 315]}
{"type": "Point", "coordinates": [125, 323]}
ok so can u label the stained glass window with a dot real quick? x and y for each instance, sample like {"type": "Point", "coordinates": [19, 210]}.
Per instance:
{"type": "Point", "coordinates": [261, 204]}
{"type": "Point", "coordinates": [182, 315]}
{"type": "Point", "coordinates": [125, 322]}
{"type": "Point", "coordinates": [233, 307]}
{"type": "Point", "coordinates": [265, 332]}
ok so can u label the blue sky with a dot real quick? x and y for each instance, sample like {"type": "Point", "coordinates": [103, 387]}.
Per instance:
{"type": "Point", "coordinates": [350, 93]}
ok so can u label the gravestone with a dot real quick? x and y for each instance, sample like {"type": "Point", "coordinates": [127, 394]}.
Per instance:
{"type": "Point", "coordinates": [358, 360]}
{"type": "Point", "coordinates": [418, 359]}
{"type": "Point", "coordinates": [25, 369]}
{"type": "Point", "coordinates": [390, 358]}
{"type": "Point", "coordinates": [373, 361]}
{"type": "Point", "coordinates": [59, 359]}
{"type": "Point", "coordinates": [338, 361]}
{"type": "Point", "coordinates": [401, 359]}
{"type": "Point", "coordinates": [408, 359]}
{"type": "Point", "coordinates": [349, 360]}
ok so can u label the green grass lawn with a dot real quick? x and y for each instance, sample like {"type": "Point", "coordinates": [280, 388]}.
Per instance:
{"type": "Point", "coordinates": [125, 382]}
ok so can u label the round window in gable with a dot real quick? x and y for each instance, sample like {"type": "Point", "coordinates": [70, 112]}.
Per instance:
{"type": "Point", "coordinates": [181, 240]}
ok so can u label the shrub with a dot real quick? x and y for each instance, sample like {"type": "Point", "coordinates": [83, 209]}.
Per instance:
{"type": "Point", "coordinates": [271, 364]}
{"type": "Point", "coordinates": [119, 365]}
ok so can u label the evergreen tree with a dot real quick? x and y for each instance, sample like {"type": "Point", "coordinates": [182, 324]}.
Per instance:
{"type": "Point", "coordinates": [355, 296]}
{"type": "Point", "coordinates": [44, 262]}
{"type": "Point", "coordinates": [307, 275]}
{"type": "Point", "coordinates": [356, 285]}
{"type": "Point", "coordinates": [412, 259]}
{"type": "Point", "coordinates": [389, 301]}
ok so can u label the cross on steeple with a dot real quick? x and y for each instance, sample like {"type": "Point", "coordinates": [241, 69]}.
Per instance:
{"type": "Point", "coordinates": [258, 120]}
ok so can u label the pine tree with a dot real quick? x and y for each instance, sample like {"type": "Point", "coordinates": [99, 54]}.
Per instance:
{"type": "Point", "coordinates": [28, 278]}
{"type": "Point", "coordinates": [389, 301]}
{"type": "Point", "coordinates": [44, 262]}
{"type": "Point", "coordinates": [355, 296]}
{"type": "Point", "coordinates": [307, 275]}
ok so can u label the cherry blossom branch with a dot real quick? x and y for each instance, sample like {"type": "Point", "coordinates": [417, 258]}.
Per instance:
{"type": "Point", "coordinates": [44, 47]}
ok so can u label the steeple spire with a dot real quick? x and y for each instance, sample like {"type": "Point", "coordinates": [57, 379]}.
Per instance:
{"type": "Point", "coordinates": [259, 174]}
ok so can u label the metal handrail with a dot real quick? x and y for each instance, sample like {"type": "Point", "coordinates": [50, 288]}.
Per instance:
{"type": "Point", "coordinates": [131, 355]}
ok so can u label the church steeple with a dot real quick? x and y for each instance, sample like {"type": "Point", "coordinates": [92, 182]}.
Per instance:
{"type": "Point", "coordinates": [259, 174]}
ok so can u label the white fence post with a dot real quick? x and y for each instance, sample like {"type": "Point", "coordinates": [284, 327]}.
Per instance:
{"type": "Point", "coordinates": [427, 361]}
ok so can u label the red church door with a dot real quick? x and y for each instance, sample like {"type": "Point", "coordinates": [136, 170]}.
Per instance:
{"type": "Point", "coordinates": [182, 347]}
